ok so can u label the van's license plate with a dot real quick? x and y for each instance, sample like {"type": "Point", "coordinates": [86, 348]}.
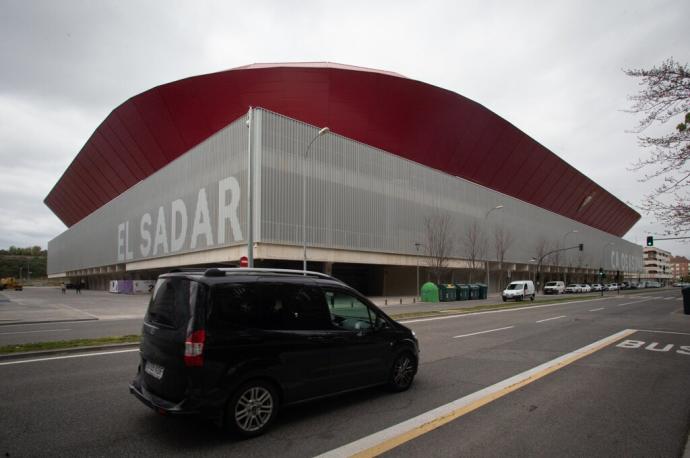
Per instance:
{"type": "Point", "coordinates": [154, 370]}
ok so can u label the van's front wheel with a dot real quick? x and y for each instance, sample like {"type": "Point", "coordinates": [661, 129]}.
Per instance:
{"type": "Point", "coordinates": [252, 409]}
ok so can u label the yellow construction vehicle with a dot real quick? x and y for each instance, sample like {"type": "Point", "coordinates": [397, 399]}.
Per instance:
{"type": "Point", "coordinates": [10, 282]}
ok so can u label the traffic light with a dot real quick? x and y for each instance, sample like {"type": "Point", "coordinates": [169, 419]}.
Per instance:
{"type": "Point", "coordinates": [650, 240]}
{"type": "Point", "coordinates": [601, 271]}
{"type": "Point", "coordinates": [581, 246]}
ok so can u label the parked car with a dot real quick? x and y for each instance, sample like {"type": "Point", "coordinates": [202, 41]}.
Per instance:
{"type": "Point", "coordinates": [585, 288]}
{"type": "Point", "coordinates": [597, 287]}
{"type": "Point", "coordinates": [554, 287]}
{"type": "Point", "coordinates": [573, 288]}
{"type": "Point", "coordinates": [612, 286]}
{"type": "Point", "coordinates": [237, 345]}
{"type": "Point", "coordinates": [653, 284]}
{"type": "Point", "coordinates": [519, 290]}
{"type": "Point", "coordinates": [625, 285]}
{"type": "Point", "coordinates": [681, 284]}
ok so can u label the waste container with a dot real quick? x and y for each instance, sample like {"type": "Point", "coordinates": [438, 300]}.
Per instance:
{"type": "Point", "coordinates": [686, 300]}
{"type": "Point", "coordinates": [474, 291]}
{"type": "Point", "coordinates": [483, 289]}
{"type": "Point", "coordinates": [462, 292]}
{"type": "Point", "coordinates": [446, 292]}
{"type": "Point", "coordinates": [429, 292]}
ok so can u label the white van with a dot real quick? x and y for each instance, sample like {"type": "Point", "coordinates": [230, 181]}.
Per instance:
{"type": "Point", "coordinates": [554, 287]}
{"type": "Point", "coordinates": [519, 290]}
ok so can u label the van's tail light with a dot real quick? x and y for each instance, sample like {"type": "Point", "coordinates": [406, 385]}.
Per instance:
{"type": "Point", "coordinates": [194, 349]}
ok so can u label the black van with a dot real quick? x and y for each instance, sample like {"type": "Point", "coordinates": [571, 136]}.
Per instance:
{"type": "Point", "coordinates": [234, 345]}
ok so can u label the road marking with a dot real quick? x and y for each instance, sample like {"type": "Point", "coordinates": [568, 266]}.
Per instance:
{"type": "Point", "coordinates": [664, 332]}
{"type": "Point", "coordinates": [596, 310]}
{"type": "Point", "coordinates": [669, 298]}
{"type": "Point", "coordinates": [389, 438]}
{"type": "Point", "coordinates": [81, 355]}
{"type": "Point", "coordinates": [633, 302]}
{"type": "Point", "coordinates": [483, 332]}
{"type": "Point", "coordinates": [554, 318]}
{"type": "Point", "coordinates": [77, 310]}
{"type": "Point", "coordinates": [31, 332]}
{"type": "Point", "coordinates": [519, 309]}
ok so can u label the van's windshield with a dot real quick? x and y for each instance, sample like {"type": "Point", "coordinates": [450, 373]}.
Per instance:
{"type": "Point", "coordinates": [551, 283]}
{"type": "Point", "coordinates": [516, 286]}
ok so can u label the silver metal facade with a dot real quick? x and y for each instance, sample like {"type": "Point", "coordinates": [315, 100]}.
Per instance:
{"type": "Point", "coordinates": [358, 198]}
{"type": "Point", "coordinates": [363, 198]}
{"type": "Point", "coordinates": [194, 203]}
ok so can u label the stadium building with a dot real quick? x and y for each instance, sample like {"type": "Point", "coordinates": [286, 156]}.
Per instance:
{"type": "Point", "coordinates": [207, 170]}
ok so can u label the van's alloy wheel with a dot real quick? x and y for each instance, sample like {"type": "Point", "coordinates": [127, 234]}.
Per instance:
{"type": "Point", "coordinates": [402, 371]}
{"type": "Point", "coordinates": [252, 408]}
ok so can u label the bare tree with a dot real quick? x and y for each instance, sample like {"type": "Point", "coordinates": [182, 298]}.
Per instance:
{"type": "Point", "coordinates": [475, 245]}
{"type": "Point", "coordinates": [664, 96]}
{"type": "Point", "coordinates": [503, 240]}
{"type": "Point", "coordinates": [439, 244]}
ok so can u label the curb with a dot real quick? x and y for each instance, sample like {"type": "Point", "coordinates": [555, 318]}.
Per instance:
{"type": "Point", "coordinates": [19, 323]}
{"type": "Point", "coordinates": [63, 351]}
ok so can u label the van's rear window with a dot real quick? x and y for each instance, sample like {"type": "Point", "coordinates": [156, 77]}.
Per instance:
{"type": "Point", "coordinates": [169, 304]}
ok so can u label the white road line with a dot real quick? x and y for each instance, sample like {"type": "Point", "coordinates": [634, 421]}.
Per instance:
{"type": "Point", "coordinates": [520, 309]}
{"type": "Point", "coordinates": [628, 303]}
{"type": "Point", "coordinates": [664, 332]}
{"type": "Point", "coordinates": [554, 318]}
{"type": "Point", "coordinates": [483, 332]}
{"type": "Point", "coordinates": [669, 298]}
{"type": "Point", "coordinates": [400, 433]}
{"type": "Point", "coordinates": [81, 355]}
{"type": "Point", "coordinates": [31, 332]}
{"type": "Point", "coordinates": [596, 310]}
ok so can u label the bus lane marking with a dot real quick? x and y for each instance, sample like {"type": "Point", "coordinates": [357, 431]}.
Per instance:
{"type": "Point", "coordinates": [554, 318]}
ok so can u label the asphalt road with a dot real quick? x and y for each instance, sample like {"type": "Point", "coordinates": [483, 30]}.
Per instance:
{"type": "Point", "coordinates": [624, 399]}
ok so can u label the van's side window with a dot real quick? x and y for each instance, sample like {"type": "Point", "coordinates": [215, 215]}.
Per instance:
{"type": "Point", "coordinates": [267, 306]}
{"type": "Point", "coordinates": [348, 312]}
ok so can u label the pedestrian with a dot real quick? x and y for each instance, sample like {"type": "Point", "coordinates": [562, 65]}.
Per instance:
{"type": "Point", "coordinates": [77, 287]}
{"type": "Point", "coordinates": [63, 287]}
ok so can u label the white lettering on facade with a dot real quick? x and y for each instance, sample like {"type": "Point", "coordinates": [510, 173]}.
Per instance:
{"type": "Point", "coordinates": [162, 241]}
{"type": "Point", "coordinates": [145, 246]}
{"type": "Point", "coordinates": [161, 236]}
{"type": "Point", "coordinates": [178, 235]}
{"type": "Point", "coordinates": [121, 242]}
{"type": "Point", "coordinates": [202, 221]}
{"type": "Point", "coordinates": [228, 211]}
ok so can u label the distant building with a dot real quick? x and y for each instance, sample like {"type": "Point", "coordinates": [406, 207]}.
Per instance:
{"type": "Point", "coordinates": [679, 267]}
{"type": "Point", "coordinates": [657, 265]}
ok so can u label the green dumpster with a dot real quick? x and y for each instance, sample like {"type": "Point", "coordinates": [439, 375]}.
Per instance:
{"type": "Point", "coordinates": [483, 289]}
{"type": "Point", "coordinates": [474, 291]}
{"type": "Point", "coordinates": [429, 292]}
{"type": "Point", "coordinates": [462, 292]}
{"type": "Point", "coordinates": [446, 292]}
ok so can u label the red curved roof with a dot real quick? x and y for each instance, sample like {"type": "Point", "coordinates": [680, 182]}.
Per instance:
{"type": "Point", "coordinates": [423, 123]}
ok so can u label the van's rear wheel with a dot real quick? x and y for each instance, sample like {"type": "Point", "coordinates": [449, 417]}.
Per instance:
{"type": "Point", "coordinates": [252, 409]}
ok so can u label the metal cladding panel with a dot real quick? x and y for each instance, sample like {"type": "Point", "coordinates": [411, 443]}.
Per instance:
{"type": "Point", "coordinates": [414, 120]}
{"type": "Point", "coordinates": [194, 203]}
{"type": "Point", "coordinates": [365, 199]}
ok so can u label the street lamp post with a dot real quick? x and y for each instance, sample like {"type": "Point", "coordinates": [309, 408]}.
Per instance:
{"type": "Point", "coordinates": [417, 245]}
{"type": "Point", "coordinates": [565, 276]}
{"type": "Point", "coordinates": [603, 248]}
{"type": "Point", "coordinates": [321, 132]}
{"type": "Point", "coordinates": [486, 217]}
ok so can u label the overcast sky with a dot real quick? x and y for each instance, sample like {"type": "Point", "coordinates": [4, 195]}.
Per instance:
{"type": "Point", "coordinates": [552, 68]}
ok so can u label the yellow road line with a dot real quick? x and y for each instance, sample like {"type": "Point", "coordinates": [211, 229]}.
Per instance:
{"type": "Point", "coordinates": [396, 435]}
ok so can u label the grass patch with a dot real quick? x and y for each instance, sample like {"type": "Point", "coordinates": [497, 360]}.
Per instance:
{"type": "Point", "coordinates": [60, 344]}
{"type": "Point", "coordinates": [485, 307]}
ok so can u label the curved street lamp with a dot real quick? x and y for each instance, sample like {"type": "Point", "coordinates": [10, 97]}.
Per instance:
{"type": "Point", "coordinates": [486, 217]}
{"type": "Point", "coordinates": [322, 131]}
{"type": "Point", "coordinates": [565, 276]}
